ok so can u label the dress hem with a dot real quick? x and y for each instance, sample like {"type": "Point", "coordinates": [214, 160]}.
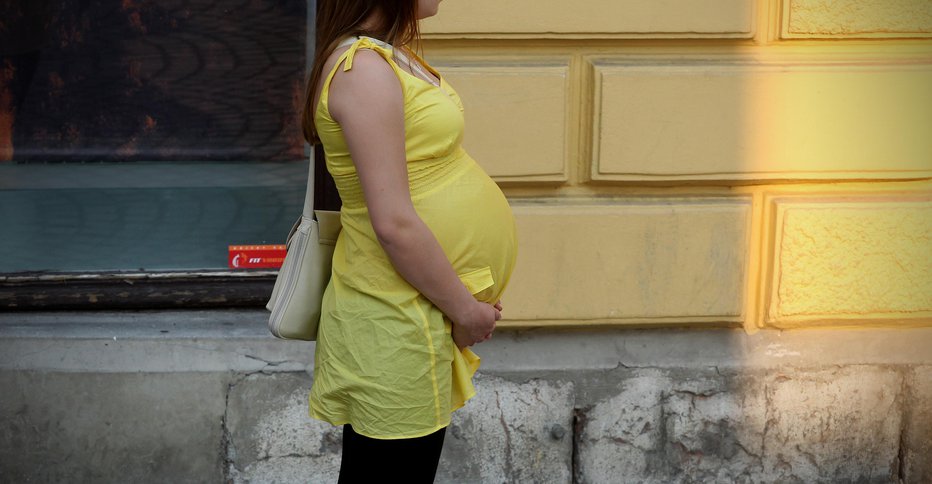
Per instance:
{"type": "Point", "coordinates": [380, 437]}
{"type": "Point", "coordinates": [338, 422]}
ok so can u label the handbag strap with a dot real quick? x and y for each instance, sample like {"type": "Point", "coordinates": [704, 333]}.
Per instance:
{"type": "Point", "coordinates": [308, 211]}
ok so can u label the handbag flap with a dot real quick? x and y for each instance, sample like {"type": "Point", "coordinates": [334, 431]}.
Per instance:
{"type": "Point", "coordinates": [329, 226]}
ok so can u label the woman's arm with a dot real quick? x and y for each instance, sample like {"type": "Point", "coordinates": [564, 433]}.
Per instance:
{"type": "Point", "coordinates": [368, 103]}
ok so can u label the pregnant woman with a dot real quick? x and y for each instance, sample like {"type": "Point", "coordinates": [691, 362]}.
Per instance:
{"type": "Point", "coordinates": [427, 247]}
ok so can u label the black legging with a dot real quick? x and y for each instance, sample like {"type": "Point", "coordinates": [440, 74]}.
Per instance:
{"type": "Point", "coordinates": [408, 460]}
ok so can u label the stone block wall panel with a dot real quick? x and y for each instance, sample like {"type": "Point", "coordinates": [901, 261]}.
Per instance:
{"type": "Point", "coordinates": [630, 261]}
{"type": "Point", "coordinates": [715, 428]}
{"type": "Point", "coordinates": [916, 446]}
{"type": "Point", "coordinates": [839, 425]}
{"type": "Point", "coordinates": [517, 117]}
{"type": "Point", "coordinates": [511, 432]}
{"type": "Point", "coordinates": [594, 18]}
{"type": "Point", "coordinates": [844, 259]}
{"type": "Point", "coordinates": [271, 437]}
{"type": "Point", "coordinates": [806, 425]}
{"type": "Point", "coordinates": [653, 120]}
{"type": "Point", "coordinates": [111, 427]}
{"type": "Point", "coordinates": [856, 18]}
{"type": "Point", "coordinates": [663, 428]}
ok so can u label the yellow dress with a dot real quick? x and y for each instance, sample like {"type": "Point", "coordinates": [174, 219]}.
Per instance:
{"type": "Point", "coordinates": [385, 361]}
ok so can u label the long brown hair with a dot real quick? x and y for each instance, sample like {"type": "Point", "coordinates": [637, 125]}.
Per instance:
{"type": "Point", "coordinates": [338, 19]}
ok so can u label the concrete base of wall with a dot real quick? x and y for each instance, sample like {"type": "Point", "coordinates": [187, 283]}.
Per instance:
{"type": "Point", "coordinates": [210, 397]}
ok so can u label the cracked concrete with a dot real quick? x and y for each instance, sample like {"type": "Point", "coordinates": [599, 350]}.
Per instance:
{"type": "Point", "coordinates": [916, 442]}
{"type": "Point", "coordinates": [838, 424]}
{"type": "Point", "coordinates": [506, 433]}
{"type": "Point", "coordinates": [271, 437]}
{"type": "Point", "coordinates": [834, 424]}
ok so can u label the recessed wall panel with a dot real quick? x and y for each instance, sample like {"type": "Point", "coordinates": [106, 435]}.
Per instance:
{"type": "Point", "coordinates": [856, 18]}
{"type": "Point", "coordinates": [842, 261]}
{"type": "Point", "coordinates": [636, 261]}
{"type": "Point", "coordinates": [742, 120]}
{"type": "Point", "coordinates": [593, 18]}
{"type": "Point", "coordinates": [516, 119]}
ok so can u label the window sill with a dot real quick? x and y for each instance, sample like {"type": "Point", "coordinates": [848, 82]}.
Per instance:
{"type": "Point", "coordinates": [135, 290]}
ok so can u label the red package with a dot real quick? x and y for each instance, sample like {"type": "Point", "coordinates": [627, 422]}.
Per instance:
{"type": "Point", "coordinates": [256, 256]}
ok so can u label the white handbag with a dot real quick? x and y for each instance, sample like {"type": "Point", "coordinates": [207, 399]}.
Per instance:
{"type": "Point", "coordinates": [305, 273]}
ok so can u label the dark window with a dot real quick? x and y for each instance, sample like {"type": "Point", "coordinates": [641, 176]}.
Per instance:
{"type": "Point", "coordinates": [145, 137]}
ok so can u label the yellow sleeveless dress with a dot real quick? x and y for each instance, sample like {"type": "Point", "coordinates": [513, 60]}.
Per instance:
{"type": "Point", "coordinates": [385, 361]}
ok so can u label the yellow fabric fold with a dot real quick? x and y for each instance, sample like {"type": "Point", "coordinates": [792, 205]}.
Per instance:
{"type": "Point", "coordinates": [465, 365]}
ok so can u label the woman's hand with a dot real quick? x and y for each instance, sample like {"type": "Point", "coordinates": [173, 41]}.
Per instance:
{"type": "Point", "coordinates": [476, 324]}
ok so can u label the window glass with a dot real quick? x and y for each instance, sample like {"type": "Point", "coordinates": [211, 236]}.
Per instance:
{"type": "Point", "coordinates": [148, 135]}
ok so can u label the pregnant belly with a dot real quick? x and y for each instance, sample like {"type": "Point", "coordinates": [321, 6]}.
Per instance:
{"type": "Point", "coordinates": [474, 224]}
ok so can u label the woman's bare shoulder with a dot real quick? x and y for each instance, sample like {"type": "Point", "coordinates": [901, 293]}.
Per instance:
{"type": "Point", "coordinates": [369, 69]}
{"type": "Point", "coordinates": [371, 85]}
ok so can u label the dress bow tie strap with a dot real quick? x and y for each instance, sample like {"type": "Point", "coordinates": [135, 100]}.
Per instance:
{"type": "Point", "coordinates": [385, 50]}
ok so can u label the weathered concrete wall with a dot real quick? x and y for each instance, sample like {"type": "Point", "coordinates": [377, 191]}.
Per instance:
{"type": "Point", "coordinates": [917, 448]}
{"type": "Point", "coordinates": [111, 427]}
{"type": "Point", "coordinates": [84, 399]}
{"type": "Point", "coordinates": [837, 425]}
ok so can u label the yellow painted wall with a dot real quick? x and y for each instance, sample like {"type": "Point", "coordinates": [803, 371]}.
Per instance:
{"type": "Point", "coordinates": [753, 163]}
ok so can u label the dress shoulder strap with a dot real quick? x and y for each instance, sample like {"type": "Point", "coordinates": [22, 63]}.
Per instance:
{"type": "Point", "coordinates": [362, 42]}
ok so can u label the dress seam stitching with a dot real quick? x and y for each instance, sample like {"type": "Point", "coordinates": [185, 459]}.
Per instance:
{"type": "Point", "coordinates": [433, 361]}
